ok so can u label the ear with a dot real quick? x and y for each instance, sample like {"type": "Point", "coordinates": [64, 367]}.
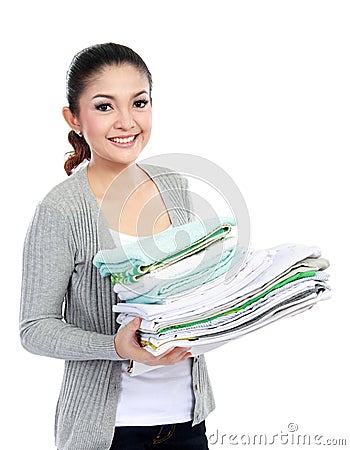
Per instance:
{"type": "Point", "coordinates": [72, 120]}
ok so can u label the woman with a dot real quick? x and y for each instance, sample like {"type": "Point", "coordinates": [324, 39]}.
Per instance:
{"type": "Point", "coordinates": [66, 306]}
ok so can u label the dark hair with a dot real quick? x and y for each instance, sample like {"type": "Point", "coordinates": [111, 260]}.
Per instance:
{"type": "Point", "coordinates": [83, 67]}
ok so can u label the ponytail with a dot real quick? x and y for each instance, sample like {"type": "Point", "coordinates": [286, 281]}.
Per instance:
{"type": "Point", "coordinates": [80, 153]}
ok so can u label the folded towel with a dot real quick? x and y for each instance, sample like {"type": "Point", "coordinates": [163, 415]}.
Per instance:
{"type": "Point", "coordinates": [127, 263]}
{"type": "Point", "coordinates": [271, 308]}
{"type": "Point", "coordinates": [189, 273]}
{"type": "Point", "coordinates": [270, 284]}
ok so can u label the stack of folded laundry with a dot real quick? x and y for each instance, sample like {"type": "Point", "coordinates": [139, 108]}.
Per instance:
{"type": "Point", "coordinates": [201, 290]}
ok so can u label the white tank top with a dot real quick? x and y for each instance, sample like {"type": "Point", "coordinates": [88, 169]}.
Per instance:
{"type": "Point", "coordinates": [161, 396]}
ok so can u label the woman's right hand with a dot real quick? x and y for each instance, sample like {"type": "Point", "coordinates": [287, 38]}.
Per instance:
{"type": "Point", "coordinates": [127, 347]}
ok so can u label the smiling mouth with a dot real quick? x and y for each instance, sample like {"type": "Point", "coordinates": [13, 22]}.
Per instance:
{"type": "Point", "coordinates": [123, 140]}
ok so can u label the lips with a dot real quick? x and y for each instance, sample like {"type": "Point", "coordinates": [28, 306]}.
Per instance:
{"type": "Point", "coordinates": [123, 139]}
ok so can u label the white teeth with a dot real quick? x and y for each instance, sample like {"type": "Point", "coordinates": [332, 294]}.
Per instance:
{"type": "Point", "coordinates": [123, 140]}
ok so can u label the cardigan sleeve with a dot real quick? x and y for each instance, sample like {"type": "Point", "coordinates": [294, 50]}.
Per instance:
{"type": "Point", "coordinates": [48, 263]}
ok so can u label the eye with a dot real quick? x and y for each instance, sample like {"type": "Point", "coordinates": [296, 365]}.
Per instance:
{"type": "Point", "coordinates": [104, 107]}
{"type": "Point", "coordinates": [141, 103]}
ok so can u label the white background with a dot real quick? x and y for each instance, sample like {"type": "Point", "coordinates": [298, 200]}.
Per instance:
{"type": "Point", "coordinates": [258, 87]}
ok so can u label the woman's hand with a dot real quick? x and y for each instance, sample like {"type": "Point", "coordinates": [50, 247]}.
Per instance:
{"type": "Point", "coordinates": [127, 347]}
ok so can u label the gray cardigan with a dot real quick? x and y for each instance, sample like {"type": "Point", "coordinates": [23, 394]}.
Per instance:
{"type": "Point", "coordinates": [66, 307]}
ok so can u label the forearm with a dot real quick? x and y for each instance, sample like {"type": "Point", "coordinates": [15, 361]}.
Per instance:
{"type": "Point", "coordinates": [54, 338]}
{"type": "Point", "coordinates": [48, 264]}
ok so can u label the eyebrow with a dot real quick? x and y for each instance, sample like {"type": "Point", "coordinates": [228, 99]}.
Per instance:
{"type": "Point", "coordinates": [111, 97]}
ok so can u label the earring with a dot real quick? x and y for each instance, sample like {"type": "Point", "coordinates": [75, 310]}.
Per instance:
{"type": "Point", "coordinates": [78, 132]}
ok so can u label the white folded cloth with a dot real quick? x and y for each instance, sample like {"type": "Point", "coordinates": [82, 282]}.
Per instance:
{"type": "Point", "coordinates": [271, 284]}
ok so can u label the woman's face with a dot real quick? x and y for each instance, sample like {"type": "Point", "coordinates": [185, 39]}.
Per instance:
{"type": "Point", "coordinates": [115, 115]}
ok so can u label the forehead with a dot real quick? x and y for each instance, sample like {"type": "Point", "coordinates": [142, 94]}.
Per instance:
{"type": "Point", "coordinates": [117, 80]}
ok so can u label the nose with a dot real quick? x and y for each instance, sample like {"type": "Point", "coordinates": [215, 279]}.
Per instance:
{"type": "Point", "coordinates": [124, 119]}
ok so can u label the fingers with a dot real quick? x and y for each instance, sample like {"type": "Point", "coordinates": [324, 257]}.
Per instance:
{"type": "Point", "coordinates": [133, 325]}
{"type": "Point", "coordinates": [170, 357]}
{"type": "Point", "coordinates": [127, 347]}
{"type": "Point", "coordinates": [125, 340]}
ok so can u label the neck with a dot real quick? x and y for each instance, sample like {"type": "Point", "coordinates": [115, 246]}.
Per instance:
{"type": "Point", "coordinates": [122, 177]}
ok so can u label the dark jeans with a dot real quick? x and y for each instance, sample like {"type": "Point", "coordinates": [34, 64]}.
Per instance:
{"type": "Point", "coordinates": [180, 436]}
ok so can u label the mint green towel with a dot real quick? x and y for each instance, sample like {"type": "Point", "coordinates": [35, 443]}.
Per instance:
{"type": "Point", "coordinates": [127, 263]}
{"type": "Point", "coordinates": [211, 269]}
